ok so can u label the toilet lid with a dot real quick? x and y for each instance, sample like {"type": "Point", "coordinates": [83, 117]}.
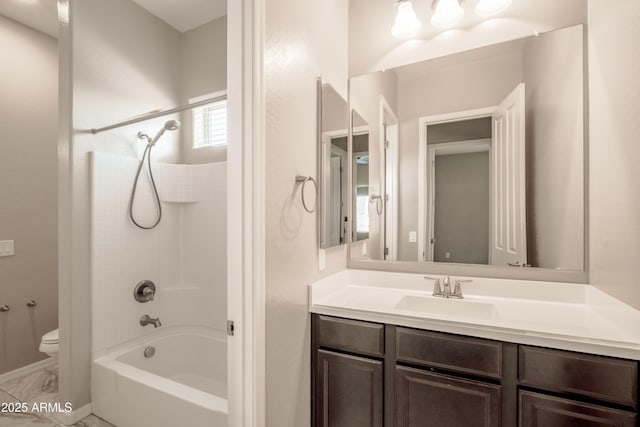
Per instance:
{"type": "Point", "coordinates": [51, 337]}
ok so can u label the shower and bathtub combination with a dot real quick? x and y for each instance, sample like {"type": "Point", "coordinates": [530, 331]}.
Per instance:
{"type": "Point", "coordinates": [158, 289]}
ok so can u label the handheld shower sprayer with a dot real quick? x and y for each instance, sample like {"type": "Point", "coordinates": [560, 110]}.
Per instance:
{"type": "Point", "coordinates": [168, 125]}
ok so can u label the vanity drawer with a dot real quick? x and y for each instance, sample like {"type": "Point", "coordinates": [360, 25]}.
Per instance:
{"type": "Point", "coordinates": [350, 335]}
{"type": "Point", "coordinates": [538, 410]}
{"type": "Point", "coordinates": [455, 353]}
{"type": "Point", "coordinates": [602, 378]}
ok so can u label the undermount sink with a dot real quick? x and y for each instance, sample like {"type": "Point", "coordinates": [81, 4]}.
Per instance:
{"type": "Point", "coordinates": [447, 307]}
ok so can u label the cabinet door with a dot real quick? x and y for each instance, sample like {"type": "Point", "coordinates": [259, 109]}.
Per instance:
{"type": "Point", "coordinates": [348, 391]}
{"type": "Point", "coordinates": [425, 399]}
{"type": "Point", "coordinates": [538, 410]}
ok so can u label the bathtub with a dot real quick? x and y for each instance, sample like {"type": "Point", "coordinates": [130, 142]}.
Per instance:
{"type": "Point", "coordinates": [182, 384]}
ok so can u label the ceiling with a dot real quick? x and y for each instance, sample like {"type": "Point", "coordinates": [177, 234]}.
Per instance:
{"type": "Point", "coordinates": [182, 15]}
{"type": "Point", "coordinates": [39, 14]}
{"type": "Point", "coordinates": [185, 15]}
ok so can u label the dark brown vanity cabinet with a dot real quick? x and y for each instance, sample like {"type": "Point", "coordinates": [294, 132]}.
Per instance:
{"type": "Point", "coordinates": [369, 374]}
{"type": "Point", "coordinates": [539, 410]}
{"type": "Point", "coordinates": [443, 379]}
{"type": "Point", "coordinates": [347, 373]}
{"type": "Point", "coordinates": [425, 398]}
{"type": "Point", "coordinates": [566, 389]}
{"type": "Point", "coordinates": [348, 390]}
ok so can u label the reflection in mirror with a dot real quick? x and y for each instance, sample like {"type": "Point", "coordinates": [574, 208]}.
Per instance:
{"type": "Point", "coordinates": [360, 169]}
{"type": "Point", "coordinates": [490, 155]}
{"type": "Point", "coordinates": [334, 125]}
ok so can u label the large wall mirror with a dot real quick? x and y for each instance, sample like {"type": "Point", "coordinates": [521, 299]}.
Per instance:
{"type": "Point", "coordinates": [479, 160]}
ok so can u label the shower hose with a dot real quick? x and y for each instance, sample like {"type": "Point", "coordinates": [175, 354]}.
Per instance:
{"type": "Point", "coordinates": [147, 154]}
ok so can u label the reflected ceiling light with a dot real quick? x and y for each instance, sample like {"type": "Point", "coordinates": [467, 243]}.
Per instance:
{"type": "Point", "coordinates": [491, 7]}
{"type": "Point", "coordinates": [447, 13]}
{"type": "Point", "coordinates": [407, 23]}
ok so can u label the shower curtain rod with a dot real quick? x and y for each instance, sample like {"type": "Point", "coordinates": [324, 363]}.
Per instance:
{"type": "Point", "coordinates": [159, 113]}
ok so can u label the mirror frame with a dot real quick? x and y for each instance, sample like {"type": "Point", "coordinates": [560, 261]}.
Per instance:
{"type": "Point", "coordinates": [321, 229]}
{"type": "Point", "coordinates": [500, 272]}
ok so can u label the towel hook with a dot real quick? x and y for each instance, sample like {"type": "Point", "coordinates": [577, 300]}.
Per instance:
{"type": "Point", "coordinates": [303, 180]}
{"type": "Point", "coordinates": [378, 200]}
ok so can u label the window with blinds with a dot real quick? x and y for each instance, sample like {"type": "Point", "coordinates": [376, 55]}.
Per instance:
{"type": "Point", "coordinates": [210, 125]}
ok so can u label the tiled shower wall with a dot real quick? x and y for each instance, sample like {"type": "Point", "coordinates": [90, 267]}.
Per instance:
{"type": "Point", "coordinates": [185, 255]}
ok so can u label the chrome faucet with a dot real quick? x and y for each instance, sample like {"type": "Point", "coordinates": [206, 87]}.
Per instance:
{"type": "Point", "coordinates": [446, 293]}
{"type": "Point", "coordinates": [146, 320]}
{"type": "Point", "coordinates": [447, 287]}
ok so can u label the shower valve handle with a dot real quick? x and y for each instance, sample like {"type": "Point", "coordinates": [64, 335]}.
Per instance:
{"type": "Point", "coordinates": [144, 291]}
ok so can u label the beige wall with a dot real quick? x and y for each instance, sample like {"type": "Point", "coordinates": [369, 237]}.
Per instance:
{"type": "Point", "coordinates": [28, 194]}
{"type": "Point", "coordinates": [614, 151]}
{"type": "Point", "coordinates": [373, 48]}
{"type": "Point", "coordinates": [123, 62]}
{"type": "Point", "coordinates": [335, 114]}
{"type": "Point", "coordinates": [555, 149]}
{"type": "Point", "coordinates": [203, 70]}
{"type": "Point", "coordinates": [300, 45]}
{"type": "Point", "coordinates": [439, 90]}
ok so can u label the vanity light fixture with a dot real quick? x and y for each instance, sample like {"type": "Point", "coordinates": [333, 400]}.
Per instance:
{"type": "Point", "coordinates": [447, 13]}
{"type": "Point", "coordinates": [491, 7]}
{"type": "Point", "coordinates": [407, 23]}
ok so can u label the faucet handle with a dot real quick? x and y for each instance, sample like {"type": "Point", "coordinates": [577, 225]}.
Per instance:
{"type": "Point", "coordinates": [148, 294]}
{"type": "Point", "coordinates": [437, 290]}
{"type": "Point", "coordinates": [457, 290]}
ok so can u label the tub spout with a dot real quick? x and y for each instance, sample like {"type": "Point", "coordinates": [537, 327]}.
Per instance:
{"type": "Point", "coordinates": [146, 320]}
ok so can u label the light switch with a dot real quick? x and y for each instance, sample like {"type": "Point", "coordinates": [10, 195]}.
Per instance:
{"type": "Point", "coordinates": [447, 255]}
{"type": "Point", "coordinates": [413, 237]}
{"type": "Point", "coordinates": [6, 248]}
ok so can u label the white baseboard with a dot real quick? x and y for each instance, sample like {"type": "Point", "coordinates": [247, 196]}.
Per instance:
{"type": "Point", "coordinates": [74, 416]}
{"type": "Point", "coordinates": [25, 370]}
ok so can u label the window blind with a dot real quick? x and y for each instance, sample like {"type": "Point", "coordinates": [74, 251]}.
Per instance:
{"type": "Point", "coordinates": [210, 125]}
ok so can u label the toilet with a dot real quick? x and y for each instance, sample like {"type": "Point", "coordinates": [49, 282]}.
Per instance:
{"type": "Point", "coordinates": [49, 346]}
{"type": "Point", "coordinates": [49, 343]}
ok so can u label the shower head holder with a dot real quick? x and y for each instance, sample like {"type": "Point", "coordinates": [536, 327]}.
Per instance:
{"type": "Point", "coordinates": [142, 135]}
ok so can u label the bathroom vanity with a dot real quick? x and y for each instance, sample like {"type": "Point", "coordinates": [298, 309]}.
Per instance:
{"type": "Point", "coordinates": [378, 361]}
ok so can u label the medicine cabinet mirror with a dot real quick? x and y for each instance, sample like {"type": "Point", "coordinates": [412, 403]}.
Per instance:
{"type": "Point", "coordinates": [333, 130]}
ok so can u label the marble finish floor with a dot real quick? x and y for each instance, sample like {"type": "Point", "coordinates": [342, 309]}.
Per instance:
{"type": "Point", "coordinates": [29, 389]}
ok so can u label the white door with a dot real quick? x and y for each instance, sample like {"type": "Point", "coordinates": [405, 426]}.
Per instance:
{"type": "Point", "coordinates": [508, 198]}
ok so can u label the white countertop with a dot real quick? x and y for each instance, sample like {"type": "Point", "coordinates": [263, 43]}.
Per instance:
{"type": "Point", "coordinates": [557, 315]}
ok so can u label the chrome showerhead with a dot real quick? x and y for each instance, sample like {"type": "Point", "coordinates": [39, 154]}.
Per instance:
{"type": "Point", "coordinates": [168, 125]}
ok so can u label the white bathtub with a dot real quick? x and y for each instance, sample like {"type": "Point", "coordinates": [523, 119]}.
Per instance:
{"type": "Point", "coordinates": [183, 384]}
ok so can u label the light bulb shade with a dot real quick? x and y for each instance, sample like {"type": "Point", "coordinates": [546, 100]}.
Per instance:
{"type": "Point", "coordinates": [447, 14]}
{"type": "Point", "coordinates": [491, 7]}
{"type": "Point", "coordinates": [407, 23]}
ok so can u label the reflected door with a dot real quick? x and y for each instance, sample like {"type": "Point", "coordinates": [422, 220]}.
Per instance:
{"type": "Point", "coordinates": [508, 213]}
